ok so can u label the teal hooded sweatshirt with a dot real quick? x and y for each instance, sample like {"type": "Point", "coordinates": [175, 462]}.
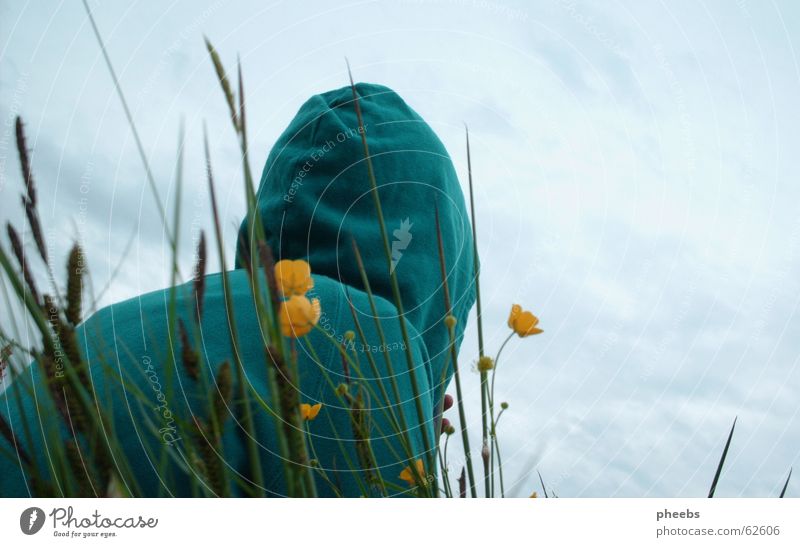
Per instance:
{"type": "Point", "coordinates": [314, 200]}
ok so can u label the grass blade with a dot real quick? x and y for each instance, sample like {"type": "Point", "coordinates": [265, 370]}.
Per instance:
{"type": "Point", "coordinates": [476, 267]}
{"type": "Point", "coordinates": [430, 454]}
{"type": "Point", "coordinates": [722, 461]}
{"type": "Point", "coordinates": [454, 358]}
{"type": "Point", "coordinates": [783, 492]}
{"type": "Point", "coordinates": [245, 406]}
{"type": "Point", "coordinates": [541, 481]}
{"type": "Point", "coordinates": [150, 179]}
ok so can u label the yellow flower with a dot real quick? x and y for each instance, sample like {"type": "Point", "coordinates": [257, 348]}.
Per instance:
{"type": "Point", "coordinates": [408, 476]}
{"type": "Point", "coordinates": [485, 364]}
{"type": "Point", "coordinates": [309, 412]}
{"type": "Point", "coordinates": [293, 277]}
{"type": "Point", "coordinates": [298, 315]}
{"type": "Point", "coordinates": [523, 322]}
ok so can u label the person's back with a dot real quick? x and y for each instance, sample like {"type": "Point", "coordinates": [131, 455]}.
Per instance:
{"type": "Point", "coordinates": [314, 201]}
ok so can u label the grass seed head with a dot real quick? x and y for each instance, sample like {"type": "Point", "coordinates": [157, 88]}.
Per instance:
{"type": "Point", "coordinates": [74, 285]}
{"type": "Point", "coordinates": [200, 275]}
{"type": "Point", "coordinates": [191, 361]}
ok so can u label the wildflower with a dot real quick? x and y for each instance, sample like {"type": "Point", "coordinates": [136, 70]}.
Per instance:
{"type": "Point", "coordinates": [293, 277]}
{"type": "Point", "coordinates": [408, 476]}
{"type": "Point", "coordinates": [309, 412]}
{"type": "Point", "coordinates": [349, 335]}
{"type": "Point", "coordinates": [298, 315]}
{"type": "Point", "coordinates": [450, 321]}
{"type": "Point", "coordinates": [445, 425]}
{"type": "Point", "coordinates": [485, 364]}
{"type": "Point", "coordinates": [523, 322]}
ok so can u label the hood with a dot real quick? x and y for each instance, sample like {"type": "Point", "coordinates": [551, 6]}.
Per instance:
{"type": "Point", "coordinates": [315, 197]}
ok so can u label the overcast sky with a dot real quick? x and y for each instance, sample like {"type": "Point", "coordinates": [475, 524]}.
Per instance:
{"type": "Point", "coordinates": [637, 177]}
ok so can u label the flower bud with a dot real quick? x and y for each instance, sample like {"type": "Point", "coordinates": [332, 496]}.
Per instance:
{"type": "Point", "coordinates": [349, 335]}
{"type": "Point", "coordinates": [504, 405]}
{"type": "Point", "coordinates": [448, 402]}
{"type": "Point", "coordinates": [485, 453]}
{"type": "Point", "coordinates": [445, 425]}
{"type": "Point", "coordinates": [485, 364]}
{"type": "Point", "coordinates": [450, 321]}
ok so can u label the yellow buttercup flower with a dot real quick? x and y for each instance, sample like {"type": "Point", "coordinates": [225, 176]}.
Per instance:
{"type": "Point", "coordinates": [298, 315]}
{"type": "Point", "coordinates": [523, 322]}
{"type": "Point", "coordinates": [293, 277]}
{"type": "Point", "coordinates": [309, 412]}
{"type": "Point", "coordinates": [408, 476]}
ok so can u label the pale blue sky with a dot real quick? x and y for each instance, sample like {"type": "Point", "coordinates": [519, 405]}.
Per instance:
{"type": "Point", "coordinates": [636, 171]}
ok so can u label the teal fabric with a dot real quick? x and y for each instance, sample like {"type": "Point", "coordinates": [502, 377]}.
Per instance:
{"type": "Point", "coordinates": [314, 200]}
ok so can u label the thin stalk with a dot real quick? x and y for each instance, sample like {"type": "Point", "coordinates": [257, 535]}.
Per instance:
{"type": "Point", "coordinates": [500, 471]}
{"type": "Point", "coordinates": [390, 369]}
{"type": "Point", "coordinates": [429, 454]}
{"type": "Point", "coordinates": [445, 472]}
{"type": "Point", "coordinates": [33, 469]}
{"type": "Point", "coordinates": [494, 370]}
{"type": "Point", "coordinates": [493, 433]}
{"type": "Point", "coordinates": [476, 264]}
{"type": "Point", "coordinates": [150, 179]}
{"type": "Point", "coordinates": [71, 374]}
{"type": "Point", "coordinates": [331, 384]}
{"type": "Point", "coordinates": [722, 461]}
{"type": "Point", "coordinates": [444, 483]}
{"type": "Point", "coordinates": [171, 364]}
{"type": "Point", "coordinates": [496, 450]}
{"type": "Point", "coordinates": [356, 367]}
{"type": "Point", "coordinates": [256, 244]}
{"type": "Point", "coordinates": [319, 465]}
{"type": "Point", "coordinates": [786, 484]}
{"type": "Point", "coordinates": [249, 427]}
{"type": "Point", "coordinates": [541, 481]}
{"type": "Point", "coordinates": [462, 416]}
{"type": "Point", "coordinates": [348, 461]}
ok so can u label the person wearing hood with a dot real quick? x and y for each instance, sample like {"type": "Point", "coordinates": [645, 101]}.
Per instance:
{"type": "Point", "coordinates": [315, 204]}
